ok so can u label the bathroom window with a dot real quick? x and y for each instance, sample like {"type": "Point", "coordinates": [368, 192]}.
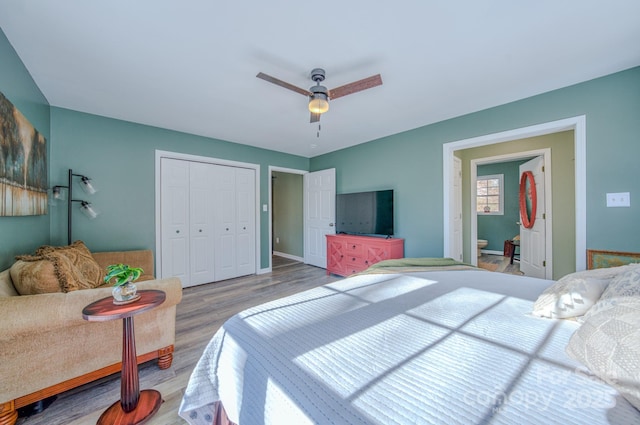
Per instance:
{"type": "Point", "coordinates": [490, 195]}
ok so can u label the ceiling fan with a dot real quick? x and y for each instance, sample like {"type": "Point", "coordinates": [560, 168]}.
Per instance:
{"type": "Point", "coordinates": [319, 95]}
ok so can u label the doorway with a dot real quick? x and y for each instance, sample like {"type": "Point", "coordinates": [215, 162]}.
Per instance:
{"type": "Point", "coordinates": [577, 125]}
{"type": "Point", "coordinates": [285, 214]}
{"type": "Point", "coordinates": [316, 208]}
{"type": "Point", "coordinates": [506, 225]}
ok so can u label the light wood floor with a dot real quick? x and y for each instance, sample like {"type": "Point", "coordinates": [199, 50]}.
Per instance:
{"type": "Point", "coordinates": [202, 311]}
{"type": "Point", "coordinates": [499, 263]}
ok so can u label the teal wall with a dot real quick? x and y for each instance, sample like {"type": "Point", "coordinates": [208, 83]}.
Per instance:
{"type": "Point", "coordinates": [288, 215]}
{"type": "Point", "coordinates": [25, 233]}
{"type": "Point", "coordinates": [498, 228]}
{"type": "Point", "coordinates": [411, 162]}
{"type": "Point", "coordinates": [120, 157]}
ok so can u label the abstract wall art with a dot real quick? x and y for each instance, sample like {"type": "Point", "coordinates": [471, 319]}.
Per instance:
{"type": "Point", "coordinates": [23, 164]}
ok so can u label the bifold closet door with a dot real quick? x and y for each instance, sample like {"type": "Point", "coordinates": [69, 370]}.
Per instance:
{"type": "Point", "coordinates": [201, 223]}
{"type": "Point", "coordinates": [174, 216]}
{"type": "Point", "coordinates": [187, 209]}
{"type": "Point", "coordinates": [234, 222]}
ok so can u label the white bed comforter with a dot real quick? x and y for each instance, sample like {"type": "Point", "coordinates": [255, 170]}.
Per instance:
{"type": "Point", "coordinates": [449, 347]}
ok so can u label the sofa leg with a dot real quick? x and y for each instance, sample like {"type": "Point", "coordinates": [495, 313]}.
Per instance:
{"type": "Point", "coordinates": [8, 413]}
{"type": "Point", "coordinates": [165, 358]}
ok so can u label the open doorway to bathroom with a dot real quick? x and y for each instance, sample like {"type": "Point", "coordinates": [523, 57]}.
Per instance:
{"type": "Point", "coordinates": [561, 215]}
{"type": "Point", "coordinates": [497, 213]}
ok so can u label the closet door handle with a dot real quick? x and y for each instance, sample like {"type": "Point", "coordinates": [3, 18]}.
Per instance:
{"type": "Point", "coordinates": [200, 230]}
{"type": "Point", "coordinates": [177, 231]}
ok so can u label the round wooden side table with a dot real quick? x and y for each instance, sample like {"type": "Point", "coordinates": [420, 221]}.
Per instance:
{"type": "Point", "coordinates": [135, 406]}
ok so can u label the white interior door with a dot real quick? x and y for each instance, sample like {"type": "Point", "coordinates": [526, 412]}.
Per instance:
{"type": "Point", "coordinates": [174, 213]}
{"type": "Point", "coordinates": [319, 215]}
{"type": "Point", "coordinates": [456, 210]}
{"type": "Point", "coordinates": [533, 240]}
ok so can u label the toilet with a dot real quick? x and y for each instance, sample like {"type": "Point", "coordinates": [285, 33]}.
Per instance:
{"type": "Point", "coordinates": [481, 244]}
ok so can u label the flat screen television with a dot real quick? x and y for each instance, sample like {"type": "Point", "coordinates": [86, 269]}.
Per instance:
{"type": "Point", "coordinates": [365, 213]}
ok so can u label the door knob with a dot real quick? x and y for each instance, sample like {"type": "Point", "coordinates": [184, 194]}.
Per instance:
{"type": "Point", "coordinates": [330, 224]}
{"type": "Point", "coordinates": [177, 231]}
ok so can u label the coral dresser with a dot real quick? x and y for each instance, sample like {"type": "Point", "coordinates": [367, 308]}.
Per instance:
{"type": "Point", "coordinates": [349, 254]}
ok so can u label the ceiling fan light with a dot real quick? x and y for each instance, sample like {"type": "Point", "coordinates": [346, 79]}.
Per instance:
{"type": "Point", "coordinates": [319, 103]}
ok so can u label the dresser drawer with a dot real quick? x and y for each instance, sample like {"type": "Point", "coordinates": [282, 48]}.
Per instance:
{"type": "Point", "coordinates": [353, 249]}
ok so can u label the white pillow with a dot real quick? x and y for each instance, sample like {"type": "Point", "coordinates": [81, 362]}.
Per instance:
{"type": "Point", "coordinates": [622, 286]}
{"type": "Point", "coordinates": [576, 293]}
{"type": "Point", "coordinates": [608, 343]}
{"type": "Point", "coordinates": [570, 298]}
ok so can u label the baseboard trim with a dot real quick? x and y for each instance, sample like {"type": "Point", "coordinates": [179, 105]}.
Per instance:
{"type": "Point", "coordinates": [289, 256]}
{"type": "Point", "coordinates": [490, 252]}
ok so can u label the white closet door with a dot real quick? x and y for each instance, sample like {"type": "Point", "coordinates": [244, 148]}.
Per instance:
{"type": "Point", "coordinates": [225, 222]}
{"type": "Point", "coordinates": [201, 213]}
{"type": "Point", "coordinates": [174, 183]}
{"type": "Point", "coordinates": [245, 229]}
{"type": "Point", "coordinates": [234, 222]}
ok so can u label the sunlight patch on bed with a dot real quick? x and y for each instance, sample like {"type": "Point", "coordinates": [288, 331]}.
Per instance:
{"type": "Point", "coordinates": [450, 384]}
{"type": "Point", "coordinates": [374, 290]}
{"type": "Point", "coordinates": [281, 409]}
{"type": "Point", "coordinates": [454, 308]}
{"type": "Point", "coordinates": [344, 365]}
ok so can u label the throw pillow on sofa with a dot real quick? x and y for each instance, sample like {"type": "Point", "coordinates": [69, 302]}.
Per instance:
{"type": "Point", "coordinates": [80, 258]}
{"type": "Point", "coordinates": [56, 269]}
{"type": "Point", "coordinates": [32, 277]}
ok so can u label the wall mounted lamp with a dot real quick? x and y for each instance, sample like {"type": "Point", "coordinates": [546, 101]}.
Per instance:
{"type": "Point", "coordinates": [85, 207]}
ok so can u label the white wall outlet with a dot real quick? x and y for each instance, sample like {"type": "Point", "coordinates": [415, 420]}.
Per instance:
{"type": "Point", "coordinates": [264, 207]}
{"type": "Point", "coordinates": [622, 199]}
{"type": "Point", "coordinates": [277, 240]}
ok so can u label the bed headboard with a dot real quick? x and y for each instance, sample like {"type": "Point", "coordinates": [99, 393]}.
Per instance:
{"type": "Point", "coordinates": [597, 259]}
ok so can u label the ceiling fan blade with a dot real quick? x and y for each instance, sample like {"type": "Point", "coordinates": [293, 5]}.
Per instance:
{"type": "Point", "coordinates": [284, 84]}
{"type": "Point", "coordinates": [315, 117]}
{"type": "Point", "coordinates": [356, 86]}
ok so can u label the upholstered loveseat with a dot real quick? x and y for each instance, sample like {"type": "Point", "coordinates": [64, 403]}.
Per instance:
{"type": "Point", "coordinates": [46, 347]}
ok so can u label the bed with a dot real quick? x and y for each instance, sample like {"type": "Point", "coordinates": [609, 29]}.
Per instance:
{"type": "Point", "coordinates": [438, 343]}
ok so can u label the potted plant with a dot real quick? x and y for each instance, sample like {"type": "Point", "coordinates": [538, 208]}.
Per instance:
{"type": "Point", "coordinates": [123, 276]}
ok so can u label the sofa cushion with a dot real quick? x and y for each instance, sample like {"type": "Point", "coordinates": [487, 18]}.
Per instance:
{"type": "Point", "coordinates": [6, 285]}
{"type": "Point", "coordinates": [55, 269]}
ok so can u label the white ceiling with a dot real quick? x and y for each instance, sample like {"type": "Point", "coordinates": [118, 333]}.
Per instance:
{"type": "Point", "coordinates": [191, 65]}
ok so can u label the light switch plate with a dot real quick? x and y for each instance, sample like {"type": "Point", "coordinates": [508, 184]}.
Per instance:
{"type": "Point", "coordinates": [622, 199]}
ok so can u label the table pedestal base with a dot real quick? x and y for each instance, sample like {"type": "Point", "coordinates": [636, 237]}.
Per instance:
{"type": "Point", "coordinates": [148, 405]}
